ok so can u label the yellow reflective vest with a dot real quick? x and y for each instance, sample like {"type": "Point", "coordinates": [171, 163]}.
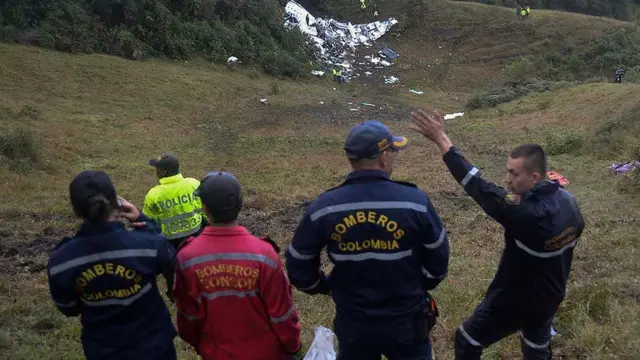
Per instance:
{"type": "Point", "coordinates": [173, 205]}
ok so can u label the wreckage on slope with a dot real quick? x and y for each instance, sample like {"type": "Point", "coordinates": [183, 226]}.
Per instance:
{"type": "Point", "coordinates": [334, 41]}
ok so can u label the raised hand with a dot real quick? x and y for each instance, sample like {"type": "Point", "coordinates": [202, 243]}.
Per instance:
{"type": "Point", "coordinates": [431, 126]}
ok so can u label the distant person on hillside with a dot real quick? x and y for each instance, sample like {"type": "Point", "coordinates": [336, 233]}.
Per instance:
{"type": "Point", "coordinates": [339, 76]}
{"type": "Point", "coordinates": [619, 74]}
{"type": "Point", "coordinates": [527, 10]}
{"type": "Point", "coordinates": [389, 248]}
{"type": "Point", "coordinates": [107, 276]}
{"type": "Point", "coordinates": [234, 300]}
{"type": "Point", "coordinates": [172, 203]}
{"type": "Point", "coordinates": [542, 225]}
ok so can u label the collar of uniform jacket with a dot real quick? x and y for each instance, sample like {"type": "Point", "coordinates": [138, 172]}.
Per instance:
{"type": "Point", "coordinates": [225, 231]}
{"type": "Point", "coordinates": [363, 174]}
{"type": "Point", "coordinates": [171, 179]}
{"type": "Point", "coordinates": [88, 228]}
{"type": "Point", "coordinates": [543, 187]}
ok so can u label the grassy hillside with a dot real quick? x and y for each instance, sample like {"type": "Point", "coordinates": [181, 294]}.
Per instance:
{"type": "Point", "coordinates": [454, 46]}
{"type": "Point", "coordinates": [61, 113]}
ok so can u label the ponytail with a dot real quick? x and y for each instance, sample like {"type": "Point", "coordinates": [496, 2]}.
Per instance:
{"type": "Point", "coordinates": [99, 208]}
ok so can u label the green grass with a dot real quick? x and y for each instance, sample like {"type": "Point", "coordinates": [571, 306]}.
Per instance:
{"type": "Point", "coordinates": [95, 111]}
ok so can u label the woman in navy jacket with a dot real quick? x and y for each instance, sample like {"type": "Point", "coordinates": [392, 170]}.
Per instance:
{"type": "Point", "coordinates": [107, 275]}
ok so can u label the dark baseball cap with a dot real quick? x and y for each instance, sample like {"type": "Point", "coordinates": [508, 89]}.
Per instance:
{"type": "Point", "coordinates": [88, 184]}
{"type": "Point", "coordinates": [370, 138]}
{"type": "Point", "coordinates": [221, 192]}
{"type": "Point", "coordinates": [165, 161]}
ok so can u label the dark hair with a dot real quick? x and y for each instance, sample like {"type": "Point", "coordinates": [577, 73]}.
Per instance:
{"type": "Point", "coordinates": [99, 208]}
{"type": "Point", "coordinates": [535, 158]}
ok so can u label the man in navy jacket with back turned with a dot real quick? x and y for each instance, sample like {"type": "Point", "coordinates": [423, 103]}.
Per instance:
{"type": "Point", "coordinates": [389, 248]}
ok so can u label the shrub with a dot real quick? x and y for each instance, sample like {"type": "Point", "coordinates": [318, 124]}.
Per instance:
{"type": "Point", "coordinates": [20, 144]}
{"type": "Point", "coordinates": [29, 111]}
{"type": "Point", "coordinates": [564, 143]}
{"type": "Point", "coordinates": [496, 96]}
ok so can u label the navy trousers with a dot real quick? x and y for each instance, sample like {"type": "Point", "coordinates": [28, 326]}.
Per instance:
{"type": "Point", "coordinates": [396, 339]}
{"type": "Point", "coordinates": [488, 324]}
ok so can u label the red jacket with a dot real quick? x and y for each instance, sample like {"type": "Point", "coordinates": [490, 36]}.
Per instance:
{"type": "Point", "coordinates": [234, 300]}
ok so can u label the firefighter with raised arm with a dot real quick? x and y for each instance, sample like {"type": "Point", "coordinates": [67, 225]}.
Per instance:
{"type": "Point", "coordinates": [542, 225]}
{"type": "Point", "coordinates": [233, 298]}
{"type": "Point", "coordinates": [389, 248]}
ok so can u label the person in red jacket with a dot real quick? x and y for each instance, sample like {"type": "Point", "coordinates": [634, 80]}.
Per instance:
{"type": "Point", "coordinates": [233, 298]}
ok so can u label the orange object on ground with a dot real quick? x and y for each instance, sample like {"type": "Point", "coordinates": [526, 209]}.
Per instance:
{"type": "Point", "coordinates": [552, 175]}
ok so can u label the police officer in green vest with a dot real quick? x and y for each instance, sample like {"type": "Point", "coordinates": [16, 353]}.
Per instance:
{"type": "Point", "coordinates": [172, 203]}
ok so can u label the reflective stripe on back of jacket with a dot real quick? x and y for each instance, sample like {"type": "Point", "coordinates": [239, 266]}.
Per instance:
{"type": "Point", "coordinates": [233, 298]}
{"type": "Point", "coordinates": [385, 239]}
{"type": "Point", "coordinates": [175, 208]}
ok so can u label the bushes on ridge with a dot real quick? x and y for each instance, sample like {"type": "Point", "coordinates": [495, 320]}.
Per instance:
{"type": "Point", "coordinates": [251, 30]}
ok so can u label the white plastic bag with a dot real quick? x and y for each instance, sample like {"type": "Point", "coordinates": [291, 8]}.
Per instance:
{"type": "Point", "coordinates": [322, 346]}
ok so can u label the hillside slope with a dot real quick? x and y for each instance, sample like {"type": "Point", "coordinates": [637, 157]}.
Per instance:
{"type": "Point", "coordinates": [62, 113]}
{"type": "Point", "coordinates": [456, 46]}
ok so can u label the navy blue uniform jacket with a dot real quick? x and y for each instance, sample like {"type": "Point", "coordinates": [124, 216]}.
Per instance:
{"type": "Point", "coordinates": [107, 275]}
{"type": "Point", "coordinates": [385, 239]}
{"type": "Point", "coordinates": [542, 227]}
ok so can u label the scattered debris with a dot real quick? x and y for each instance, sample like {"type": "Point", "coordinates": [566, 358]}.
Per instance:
{"type": "Point", "coordinates": [453, 116]}
{"type": "Point", "coordinates": [366, 104]}
{"type": "Point", "coordinates": [390, 79]}
{"type": "Point", "coordinates": [232, 59]}
{"type": "Point", "coordinates": [625, 167]}
{"type": "Point", "coordinates": [264, 101]}
{"type": "Point", "coordinates": [317, 72]}
{"type": "Point", "coordinates": [552, 175]}
{"type": "Point", "coordinates": [334, 40]}
{"type": "Point", "coordinates": [354, 109]}
{"type": "Point", "coordinates": [416, 92]}
{"type": "Point", "coordinates": [388, 53]}
{"type": "Point", "coordinates": [368, 73]}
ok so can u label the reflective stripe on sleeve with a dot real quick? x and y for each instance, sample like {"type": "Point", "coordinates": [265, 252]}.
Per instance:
{"type": "Point", "coordinates": [436, 244]}
{"type": "Point", "coordinates": [121, 302]}
{"type": "Point", "coordinates": [372, 256]}
{"type": "Point", "coordinates": [187, 316]}
{"type": "Point", "coordinates": [310, 287]}
{"type": "Point", "coordinates": [298, 255]}
{"type": "Point", "coordinates": [546, 255]}
{"type": "Point", "coordinates": [284, 317]}
{"type": "Point", "coordinates": [471, 340]}
{"type": "Point", "coordinates": [429, 276]}
{"type": "Point", "coordinates": [229, 256]}
{"type": "Point", "coordinates": [68, 305]}
{"type": "Point", "coordinates": [367, 205]}
{"type": "Point", "coordinates": [468, 177]}
{"type": "Point", "coordinates": [107, 255]}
